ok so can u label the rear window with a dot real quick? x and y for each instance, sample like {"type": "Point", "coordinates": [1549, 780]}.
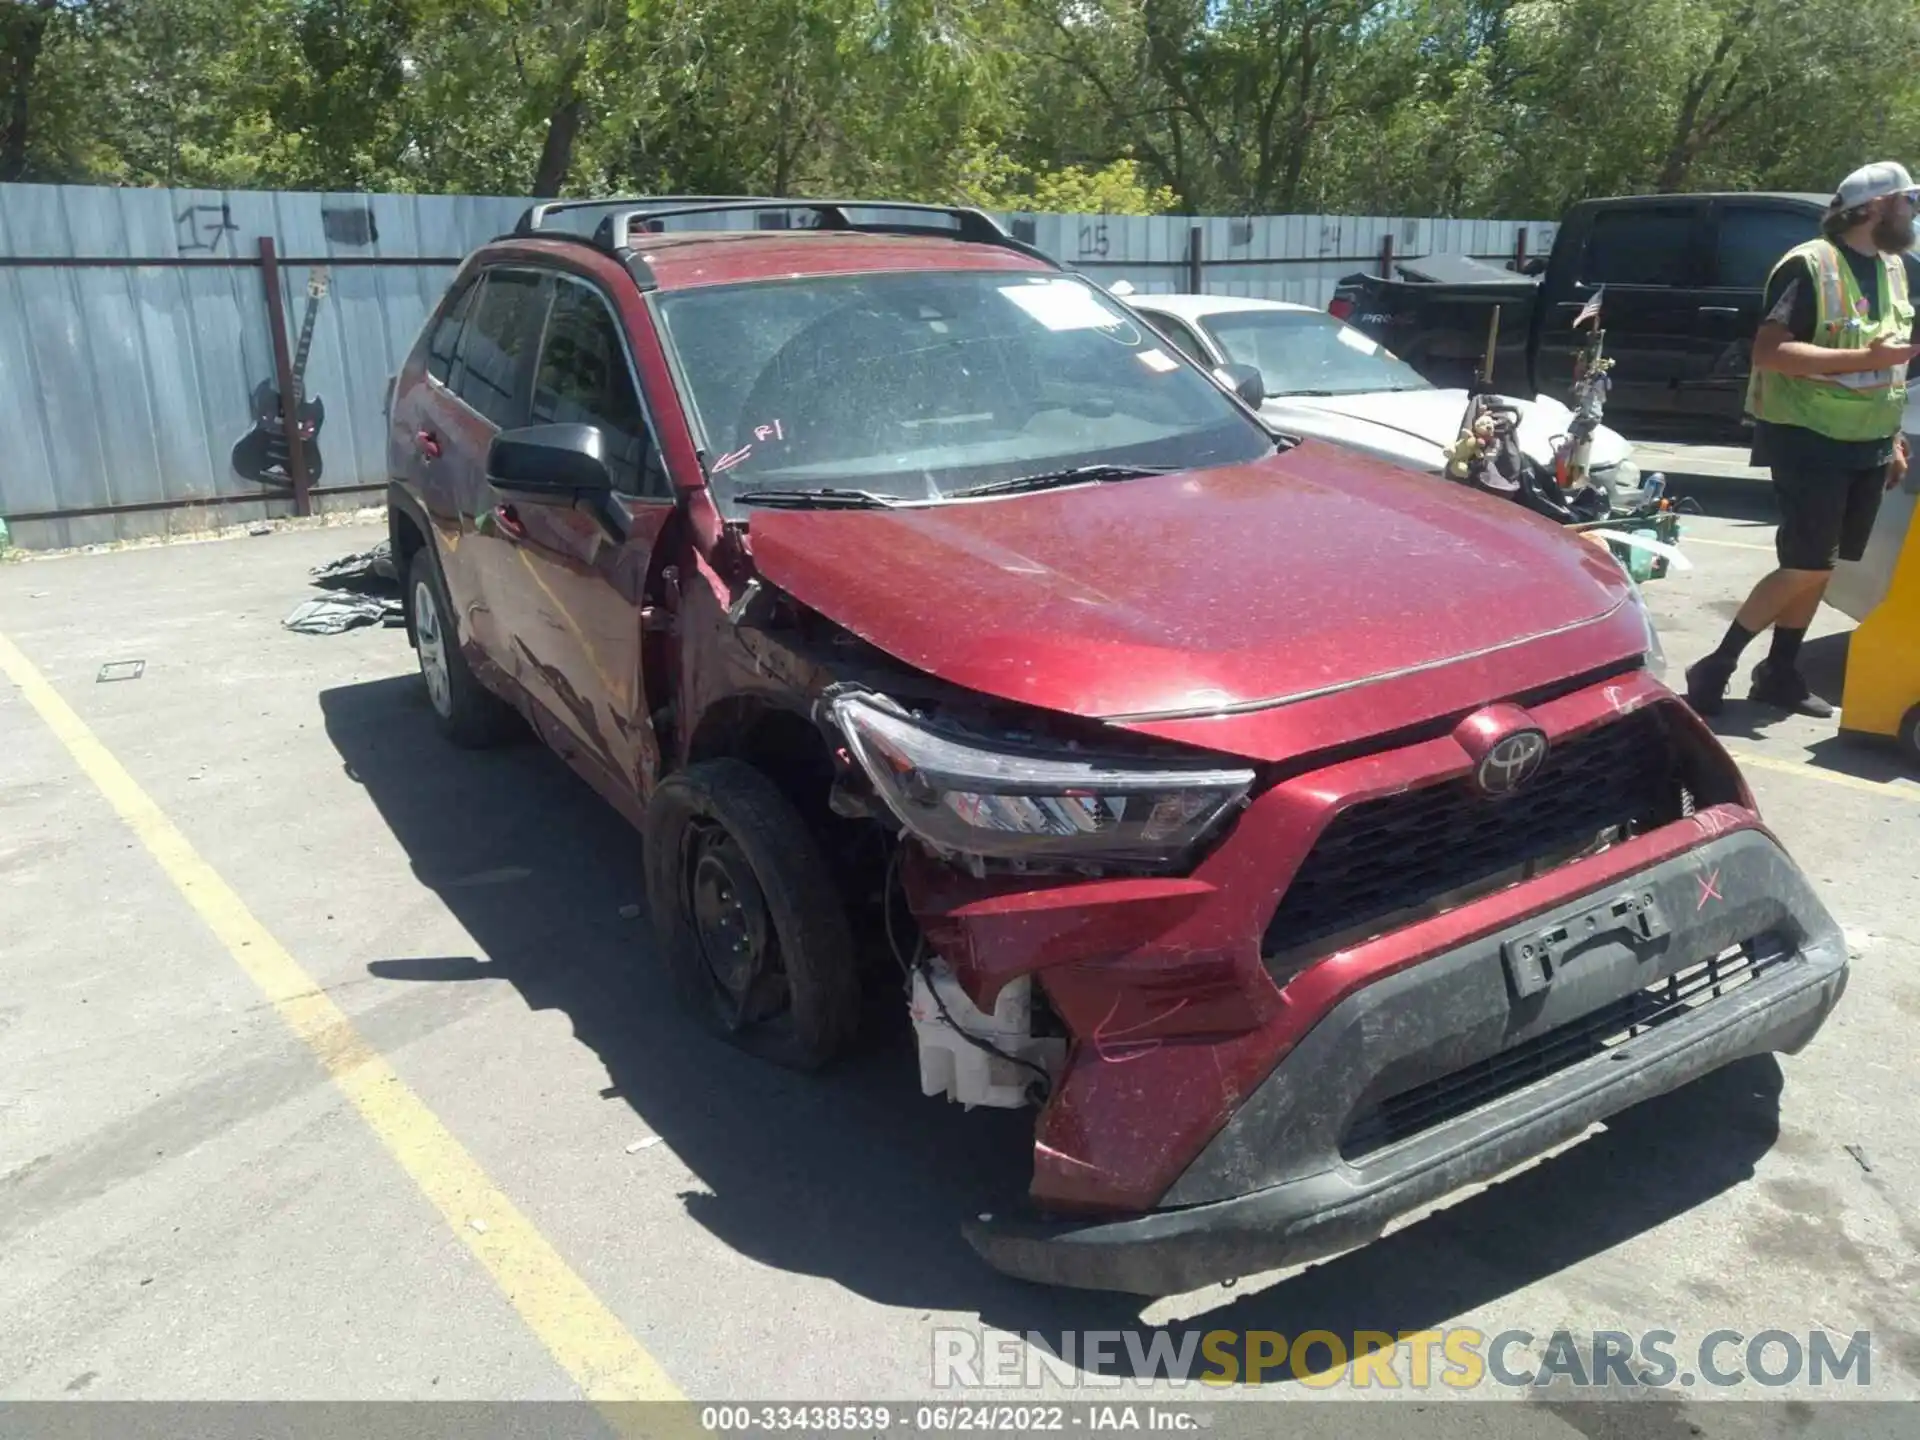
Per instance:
{"type": "Point", "coordinates": [497, 346]}
{"type": "Point", "coordinates": [1639, 247]}
{"type": "Point", "coordinates": [446, 334]}
{"type": "Point", "coordinates": [1753, 240]}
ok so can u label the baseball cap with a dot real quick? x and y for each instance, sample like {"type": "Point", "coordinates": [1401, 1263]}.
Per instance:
{"type": "Point", "coordinates": [1870, 182]}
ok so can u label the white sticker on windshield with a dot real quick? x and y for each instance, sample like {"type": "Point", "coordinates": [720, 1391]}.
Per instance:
{"type": "Point", "coordinates": [1061, 305]}
{"type": "Point", "coordinates": [1158, 360]}
{"type": "Point", "coordinates": [1354, 340]}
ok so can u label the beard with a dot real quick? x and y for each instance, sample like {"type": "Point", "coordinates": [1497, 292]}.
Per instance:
{"type": "Point", "coordinates": [1893, 234]}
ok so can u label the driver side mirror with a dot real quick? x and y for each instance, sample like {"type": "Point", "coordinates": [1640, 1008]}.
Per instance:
{"type": "Point", "coordinates": [1245, 381]}
{"type": "Point", "coordinates": [562, 465]}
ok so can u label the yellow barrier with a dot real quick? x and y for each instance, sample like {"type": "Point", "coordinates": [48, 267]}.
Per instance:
{"type": "Point", "coordinates": [1882, 688]}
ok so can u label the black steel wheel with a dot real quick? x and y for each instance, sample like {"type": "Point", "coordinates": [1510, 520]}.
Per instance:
{"type": "Point", "coordinates": [744, 906]}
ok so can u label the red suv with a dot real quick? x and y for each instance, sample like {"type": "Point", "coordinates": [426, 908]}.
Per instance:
{"type": "Point", "coordinates": [1303, 838]}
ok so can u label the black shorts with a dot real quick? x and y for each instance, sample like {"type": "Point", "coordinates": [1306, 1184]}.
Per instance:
{"type": "Point", "coordinates": [1826, 515]}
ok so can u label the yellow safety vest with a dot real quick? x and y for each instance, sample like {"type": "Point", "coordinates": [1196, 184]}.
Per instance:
{"type": "Point", "coordinates": [1866, 406]}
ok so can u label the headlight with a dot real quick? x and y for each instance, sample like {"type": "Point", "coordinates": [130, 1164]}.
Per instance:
{"type": "Point", "coordinates": [1622, 478]}
{"type": "Point", "coordinates": [963, 798]}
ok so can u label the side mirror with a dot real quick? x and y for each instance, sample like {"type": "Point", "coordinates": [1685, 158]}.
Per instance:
{"type": "Point", "coordinates": [551, 465]}
{"type": "Point", "coordinates": [1536, 265]}
{"type": "Point", "coordinates": [1245, 381]}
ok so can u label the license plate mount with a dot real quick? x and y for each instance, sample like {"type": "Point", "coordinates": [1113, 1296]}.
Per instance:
{"type": "Point", "coordinates": [1532, 961]}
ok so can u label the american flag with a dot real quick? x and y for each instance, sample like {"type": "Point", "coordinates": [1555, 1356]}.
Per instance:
{"type": "Point", "coordinates": [1590, 310]}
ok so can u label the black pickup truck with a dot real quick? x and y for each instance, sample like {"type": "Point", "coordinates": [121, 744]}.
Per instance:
{"type": "Point", "coordinates": [1683, 275]}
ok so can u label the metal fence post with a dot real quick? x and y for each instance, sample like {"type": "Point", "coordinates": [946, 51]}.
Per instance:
{"type": "Point", "coordinates": [283, 367]}
{"type": "Point", "coordinates": [1520, 250]}
{"type": "Point", "coordinates": [1386, 257]}
{"type": "Point", "coordinates": [1196, 260]}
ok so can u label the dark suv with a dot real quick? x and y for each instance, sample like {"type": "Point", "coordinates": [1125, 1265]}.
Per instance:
{"type": "Point", "coordinates": [1304, 840]}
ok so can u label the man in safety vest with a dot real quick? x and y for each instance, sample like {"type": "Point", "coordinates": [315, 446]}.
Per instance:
{"type": "Point", "coordinates": [1827, 397]}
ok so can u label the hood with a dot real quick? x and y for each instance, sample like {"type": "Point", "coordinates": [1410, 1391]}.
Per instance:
{"type": "Point", "coordinates": [1311, 570]}
{"type": "Point", "coordinates": [1413, 427]}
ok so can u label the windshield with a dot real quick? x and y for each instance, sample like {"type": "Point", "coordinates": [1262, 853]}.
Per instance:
{"type": "Point", "coordinates": [914, 385]}
{"type": "Point", "coordinates": [1303, 352]}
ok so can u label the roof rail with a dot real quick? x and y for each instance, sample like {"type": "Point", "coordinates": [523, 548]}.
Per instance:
{"type": "Point", "coordinates": [972, 225]}
{"type": "Point", "coordinates": [534, 216]}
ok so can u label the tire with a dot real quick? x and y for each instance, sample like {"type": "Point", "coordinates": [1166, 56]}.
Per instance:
{"type": "Point", "coordinates": [1910, 735]}
{"type": "Point", "coordinates": [464, 710]}
{"type": "Point", "coordinates": [737, 883]}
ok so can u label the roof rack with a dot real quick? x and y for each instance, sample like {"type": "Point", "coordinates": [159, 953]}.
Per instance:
{"type": "Point", "coordinates": [534, 216]}
{"type": "Point", "coordinates": [615, 233]}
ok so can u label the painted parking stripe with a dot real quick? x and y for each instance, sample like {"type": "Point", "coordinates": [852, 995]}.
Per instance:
{"type": "Point", "coordinates": [1888, 789]}
{"type": "Point", "coordinates": [580, 1332]}
{"type": "Point", "coordinates": [1727, 544]}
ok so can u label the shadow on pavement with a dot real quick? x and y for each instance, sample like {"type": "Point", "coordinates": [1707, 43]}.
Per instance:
{"type": "Point", "coordinates": [854, 1176]}
{"type": "Point", "coordinates": [1823, 661]}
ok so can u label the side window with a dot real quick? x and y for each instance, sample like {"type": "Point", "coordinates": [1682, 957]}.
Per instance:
{"type": "Point", "coordinates": [1649, 246]}
{"type": "Point", "coordinates": [497, 346]}
{"type": "Point", "coordinates": [1183, 338]}
{"type": "Point", "coordinates": [1752, 239]}
{"type": "Point", "coordinates": [446, 333]}
{"type": "Point", "coordinates": [584, 379]}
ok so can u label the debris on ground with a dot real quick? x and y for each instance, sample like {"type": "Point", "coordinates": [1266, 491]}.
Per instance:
{"type": "Point", "coordinates": [121, 670]}
{"type": "Point", "coordinates": [637, 1146]}
{"type": "Point", "coordinates": [334, 613]}
{"type": "Point", "coordinates": [1860, 1157]}
{"type": "Point", "coordinates": [370, 572]}
{"type": "Point", "coordinates": [363, 589]}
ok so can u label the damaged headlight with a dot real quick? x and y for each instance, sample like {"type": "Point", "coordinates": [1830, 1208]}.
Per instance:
{"type": "Point", "coordinates": [961, 797]}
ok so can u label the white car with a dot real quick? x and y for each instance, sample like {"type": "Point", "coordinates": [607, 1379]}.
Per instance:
{"type": "Point", "coordinates": [1325, 379]}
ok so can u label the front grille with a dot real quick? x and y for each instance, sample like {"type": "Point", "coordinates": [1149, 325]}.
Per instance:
{"type": "Point", "coordinates": [1390, 860]}
{"type": "Point", "coordinates": [1400, 1117]}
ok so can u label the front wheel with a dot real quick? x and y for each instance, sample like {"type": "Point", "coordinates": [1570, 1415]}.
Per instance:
{"type": "Point", "coordinates": [1910, 735]}
{"type": "Point", "coordinates": [755, 936]}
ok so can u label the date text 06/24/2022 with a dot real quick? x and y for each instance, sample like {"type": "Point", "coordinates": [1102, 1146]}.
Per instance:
{"type": "Point", "coordinates": [947, 1419]}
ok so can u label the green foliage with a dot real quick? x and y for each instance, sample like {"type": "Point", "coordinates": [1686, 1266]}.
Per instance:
{"type": "Point", "coordinates": [1443, 107]}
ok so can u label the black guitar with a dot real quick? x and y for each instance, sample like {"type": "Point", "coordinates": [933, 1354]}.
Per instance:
{"type": "Point", "coordinates": [262, 454]}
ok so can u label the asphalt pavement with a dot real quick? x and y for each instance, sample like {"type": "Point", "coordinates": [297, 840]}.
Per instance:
{"type": "Point", "coordinates": [335, 1065]}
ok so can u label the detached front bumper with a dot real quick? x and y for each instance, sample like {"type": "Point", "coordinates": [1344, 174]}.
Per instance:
{"type": "Point", "coordinates": [1471, 1062]}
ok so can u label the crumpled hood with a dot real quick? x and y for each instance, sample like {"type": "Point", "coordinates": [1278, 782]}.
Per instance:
{"type": "Point", "coordinates": [1311, 570]}
{"type": "Point", "coordinates": [1414, 427]}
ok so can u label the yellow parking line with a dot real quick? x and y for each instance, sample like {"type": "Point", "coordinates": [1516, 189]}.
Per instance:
{"type": "Point", "coordinates": [1725, 544]}
{"type": "Point", "coordinates": [1889, 789]}
{"type": "Point", "coordinates": [580, 1332]}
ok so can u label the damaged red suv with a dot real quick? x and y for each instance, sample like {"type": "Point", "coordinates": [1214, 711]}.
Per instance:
{"type": "Point", "coordinates": [1302, 838]}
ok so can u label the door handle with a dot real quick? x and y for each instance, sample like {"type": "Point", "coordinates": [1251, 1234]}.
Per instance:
{"type": "Point", "coordinates": [1719, 309]}
{"type": "Point", "coordinates": [428, 442]}
{"type": "Point", "coordinates": [510, 521]}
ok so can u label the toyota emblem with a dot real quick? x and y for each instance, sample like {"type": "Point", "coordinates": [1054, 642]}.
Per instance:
{"type": "Point", "coordinates": [1513, 760]}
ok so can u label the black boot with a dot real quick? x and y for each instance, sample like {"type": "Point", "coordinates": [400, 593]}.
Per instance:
{"type": "Point", "coordinates": [1707, 681]}
{"type": "Point", "coordinates": [1782, 688]}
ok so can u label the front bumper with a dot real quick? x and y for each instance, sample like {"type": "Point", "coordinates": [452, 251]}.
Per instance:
{"type": "Point", "coordinates": [1452, 1071]}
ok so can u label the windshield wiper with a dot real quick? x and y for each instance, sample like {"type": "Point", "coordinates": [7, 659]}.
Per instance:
{"type": "Point", "coordinates": [823, 499]}
{"type": "Point", "coordinates": [1078, 475]}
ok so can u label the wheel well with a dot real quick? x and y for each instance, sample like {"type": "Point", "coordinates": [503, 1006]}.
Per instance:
{"type": "Point", "coordinates": [780, 743]}
{"type": "Point", "coordinates": [407, 540]}
{"type": "Point", "coordinates": [790, 751]}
